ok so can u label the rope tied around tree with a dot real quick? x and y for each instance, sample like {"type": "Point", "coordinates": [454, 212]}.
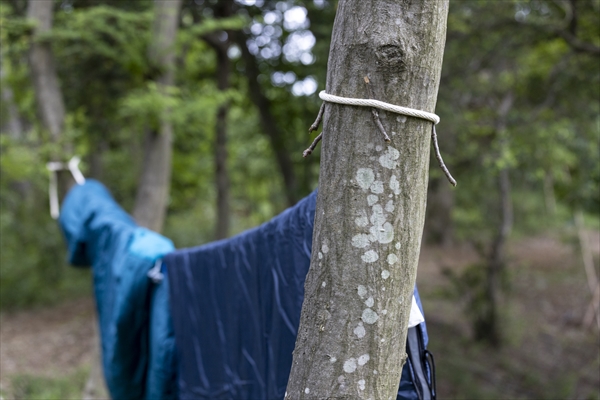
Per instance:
{"type": "Point", "coordinates": [376, 104]}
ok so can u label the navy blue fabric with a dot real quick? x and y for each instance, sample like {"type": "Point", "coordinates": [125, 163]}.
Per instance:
{"type": "Point", "coordinates": [135, 326]}
{"type": "Point", "coordinates": [236, 307]}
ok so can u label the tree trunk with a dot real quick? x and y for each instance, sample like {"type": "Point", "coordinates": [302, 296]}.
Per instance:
{"type": "Point", "coordinates": [270, 128]}
{"type": "Point", "coordinates": [549, 195]}
{"type": "Point", "coordinates": [12, 123]}
{"type": "Point", "coordinates": [221, 46]}
{"type": "Point", "coordinates": [371, 203]}
{"type": "Point", "coordinates": [50, 105]}
{"type": "Point", "coordinates": [51, 111]}
{"type": "Point", "coordinates": [487, 327]}
{"type": "Point", "coordinates": [439, 228]}
{"type": "Point", "coordinates": [49, 99]}
{"type": "Point", "coordinates": [590, 271]}
{"type": "Point", "coordinates": [153, 190]}
{"type": "Point", "coordinates": [221, 173]}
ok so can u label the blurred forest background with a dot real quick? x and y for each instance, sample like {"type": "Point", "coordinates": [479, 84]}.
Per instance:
{"type": "Point", "coordinates": [509, 265]}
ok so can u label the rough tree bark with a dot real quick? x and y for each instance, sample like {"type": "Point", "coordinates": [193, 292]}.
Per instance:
{"type": "Point", "coordinates": [153, 190]}
{"type": "Point", "coordinates": [371, 203]}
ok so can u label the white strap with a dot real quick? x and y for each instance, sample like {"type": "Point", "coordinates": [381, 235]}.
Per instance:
{"type": "Point", "coordinates": [53, 167]}
{"type": "Point", "coordinates": [74, 168]}
{"type": "Point", "coordinates": [411, 112]}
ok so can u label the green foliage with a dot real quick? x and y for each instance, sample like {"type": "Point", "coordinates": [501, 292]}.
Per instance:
{"type": "Point", "coordinates": [549, 144]}
{"type": "Point", "coordinates": [551, 134]}
{"type": "Point", "coordinates": [111, 37]}
{"type": "Point", "coordinates": [32, 250]}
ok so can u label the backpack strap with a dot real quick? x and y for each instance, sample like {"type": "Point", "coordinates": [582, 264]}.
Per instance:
{"type": "Point", "coordinates": [421, 363]}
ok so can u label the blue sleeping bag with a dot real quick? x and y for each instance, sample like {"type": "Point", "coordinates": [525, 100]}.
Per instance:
{"type": "Point", "coordinates": [236, 308]}
{"type": "Point", "coordinates": [135, 325]}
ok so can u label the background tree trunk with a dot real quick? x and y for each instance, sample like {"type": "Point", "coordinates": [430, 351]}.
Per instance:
{"type": "Point", "coordinates": [371, 203]}
{"type": "Point", "coordinates": [267, 120]}
{"type": "Point", "coordinates": [221, 173]}
{"type": "Point", "coordinates": [153, 190]}
{"type": "Point", "coordinates": [50, 105]}
{"type": "Point", "coordinates": [51, 111]}
{"type": "Point", "coordinates": [11, 124]}
{"type": "Point", "coordinates": [439, 227]}
{"type": "Point", "coordinates": [488, 328]}
{"type": "Point", "coordinates": [220, 42]}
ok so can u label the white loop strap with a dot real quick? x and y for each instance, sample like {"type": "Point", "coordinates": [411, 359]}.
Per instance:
{"type": "Point", "coordinates": [53, 194]}
{"type": "Point", "coordinates": [53, 167]}
{"type": "Point", "coordinates": [74, 168]}
{"type": "Point", "coordinates": [411, 112]}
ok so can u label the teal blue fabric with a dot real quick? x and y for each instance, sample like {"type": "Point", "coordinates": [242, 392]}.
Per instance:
{"type": "Point", "coordinates": [135, 324]}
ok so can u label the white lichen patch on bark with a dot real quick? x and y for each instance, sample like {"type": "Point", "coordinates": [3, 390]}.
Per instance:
{"type": "Point", "coordinates": [388, 159]}
{"type": "Point", "coordinates": [325, 249]}
{"type": "Point", "coordinates": [365, 177]}
{"type": "Point", "coordinates": [361, 240]}
{"type": "Point", "coordinates": [362, 360]}
{"type": "Point", "coordinates": [369, 316]}
{"type": "Point", "coordinates": [360, 331]}
{"type": "Point", "coordinates": [382, 233]}
{"type": "Point", "coordinates": [377, 217]}
{"type": "Point", "coordinates": [323, 284]}
{"type": "Point", "coordinates": [307, 390]}
{"type": "Point", "coordinates": [361, 384]}
{"type": "Point", "coordinates": [398, 245]}
{"type": "Point", "coordinates": [362, 291]}
{"type": "Point", "coordinates": [370, 302]}
{"type": "Point", "coordinates": [392, 259]}
{"type": "Point", "coordinates": [372, 199]}
{"type": "Point", "coordinates": [377, 187]}
{"type": "Point", "coordinates": [320, 256]}
{"type": "Point", "coordinates": [350, 365]}
{"type": "Point", "coordinates": [395, 185]}
{"type": "Point", "coordinates": [370, 256]}
{"type": "Point", "coordinates": [385, 274]}
{"type": "Point", "coordinates": [389, 207]}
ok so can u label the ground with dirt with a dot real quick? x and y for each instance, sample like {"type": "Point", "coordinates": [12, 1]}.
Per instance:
{"type": "Point", "coordinates": [547, 353]}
